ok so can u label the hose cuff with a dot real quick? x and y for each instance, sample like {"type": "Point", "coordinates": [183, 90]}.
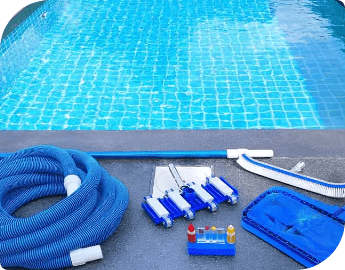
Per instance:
{"type": "Point", "coordinates": [236, 153]}
{"type": "Point", "coordinates": [83, 255]}
{"type": "Point", "coordinates": [72, 183]}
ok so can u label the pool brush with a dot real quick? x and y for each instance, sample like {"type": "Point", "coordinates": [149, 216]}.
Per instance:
{"type": "Point", "coordinates": [290, 177]}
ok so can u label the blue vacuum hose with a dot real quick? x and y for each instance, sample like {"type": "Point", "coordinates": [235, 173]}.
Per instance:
{"type": "Point", "coordinates": [85, 218]}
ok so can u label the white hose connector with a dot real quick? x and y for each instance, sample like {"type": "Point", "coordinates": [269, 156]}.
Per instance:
{"type": "Point", "coordinates": [83, 255]}
{"type": "Point", "coordinates": [236, 153]}
{"type": "Point", "coordinates": [72, 183]}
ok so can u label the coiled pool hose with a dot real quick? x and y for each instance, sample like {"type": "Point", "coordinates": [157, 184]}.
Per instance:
{"type": "Point", "coordinates": [52, 238]}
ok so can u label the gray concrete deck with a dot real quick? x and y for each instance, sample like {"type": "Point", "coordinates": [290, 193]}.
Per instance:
{"type": "Point", "coordinates": [138, 244]}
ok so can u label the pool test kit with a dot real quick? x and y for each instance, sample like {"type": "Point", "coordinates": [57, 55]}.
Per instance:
{"type": "Point", "coordinates": [211, 241]}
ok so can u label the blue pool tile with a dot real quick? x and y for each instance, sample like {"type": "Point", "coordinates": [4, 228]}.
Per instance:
{"type": "Point", "coordinates": [266, 115]}
{"type": "Point", "coordinates": [296, 123]}
{"type": "Point", "coordinates": [73, 121]}
{"type": "Point", "coordinates": [251, 108]}
{"type": "Point", "coordinates": [198, 124]}
{"type": "Point", "coordinates": [170, 124]}
{"type": "Point", "coordinates": [211, 117]}
{"type": "Point", "coordinates": [184, 124]}
{"type": "Point", "coordinates": [282, 123]}
{"type": "Point", "coordinates": [266, 123]}
{"type": "Point", "coordinates": [185, 116]}
{"type": "Point", "coordinates": [128, 122]}
{"type": "Point", "coordinates": [336, 113]}
{"type": "Point", "coordinates": [226, 125]}
{"type": "Point", "coordinates": [237, 109]}
{"type": "Point", "coordinates": [212, 124]}
{"type": "Point", "coordinates": [157, 122]}
{"type": "Point", "coordinates": [252, 116]}
{"type": "Point", "coordinates": [290, 107]}
{"type": "Point", "coordinates": [198, 116]}
{"type": "Point", "coordinates": [311, 123]}
{"type": "Point", "coordinates": [254, 124]}
{"type": "Point", "coordinates": [241, 124]}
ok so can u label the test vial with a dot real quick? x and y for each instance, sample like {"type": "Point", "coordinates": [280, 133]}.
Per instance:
{"type": "Point", "coordinates": [207, 234]}
{"type": "Point", "coordinates": [220, 232]}
{"type": "Point", "coordinates": [214, 235]}
{"type": "Point", "coordinates": [201, 235]}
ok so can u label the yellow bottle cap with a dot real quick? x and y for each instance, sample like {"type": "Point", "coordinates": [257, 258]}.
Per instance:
{"type": "Point", "coordinates": [231, 229]}
{"type": "Point", "coordinates": [213, 228]}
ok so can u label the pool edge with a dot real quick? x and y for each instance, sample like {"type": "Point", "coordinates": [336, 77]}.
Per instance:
{"type": "Point", "coordinates": [285, 143]}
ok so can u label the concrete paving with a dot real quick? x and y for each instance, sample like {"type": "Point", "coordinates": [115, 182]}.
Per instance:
{"type": "Point", "coordinates": [138, 243]}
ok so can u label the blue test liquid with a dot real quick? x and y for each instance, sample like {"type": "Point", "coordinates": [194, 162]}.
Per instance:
{"type": "Point", "coordinates": [220, 232]}
{"type": "Point", "coordinates": [201, 235]}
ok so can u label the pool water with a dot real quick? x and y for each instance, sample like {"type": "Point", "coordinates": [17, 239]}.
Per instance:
{"type": "Point", "coordinates": [184, 64]}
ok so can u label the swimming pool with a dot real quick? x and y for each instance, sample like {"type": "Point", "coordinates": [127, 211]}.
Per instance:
{"type": "Point", "coordinates": [177, 64]}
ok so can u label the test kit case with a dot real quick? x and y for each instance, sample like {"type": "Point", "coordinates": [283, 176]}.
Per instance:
{"type": "Point", "coordinates": [214, 249]}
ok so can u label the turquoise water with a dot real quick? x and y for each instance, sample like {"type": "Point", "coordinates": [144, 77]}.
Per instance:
{"type": "Point", "coordinates": [184, 64]}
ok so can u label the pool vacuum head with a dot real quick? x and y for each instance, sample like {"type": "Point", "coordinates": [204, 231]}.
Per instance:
{"type": "Point", "coordinates": [187, 197]}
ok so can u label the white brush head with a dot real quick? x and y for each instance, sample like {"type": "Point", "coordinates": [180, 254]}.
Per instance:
{"type": "Point", "coordinates": [334, 190]}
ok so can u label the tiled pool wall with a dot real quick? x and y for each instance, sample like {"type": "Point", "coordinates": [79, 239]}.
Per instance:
{"type": "Point", "coordinates": [19, 17]}
{"type": "Point", "coordinates": [17, 48]}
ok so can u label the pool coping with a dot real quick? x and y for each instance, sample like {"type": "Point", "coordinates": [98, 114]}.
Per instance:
{"type": "Point", "coordinates": [285, 142]}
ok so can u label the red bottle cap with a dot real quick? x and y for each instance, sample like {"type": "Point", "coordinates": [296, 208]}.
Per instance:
{"type": "Point", "coordinates": [191, 228]}
{"type": "Point", "coordinates": [207, 228]}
